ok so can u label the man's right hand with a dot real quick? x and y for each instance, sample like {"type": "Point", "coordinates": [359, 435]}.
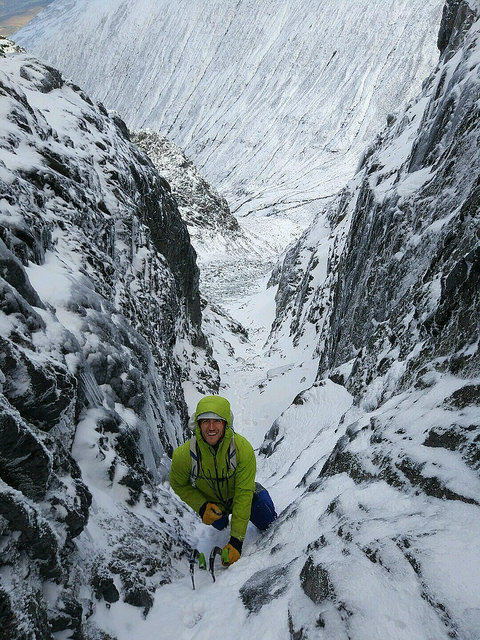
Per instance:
{"type": "Point", "coordinates": [210, 512]}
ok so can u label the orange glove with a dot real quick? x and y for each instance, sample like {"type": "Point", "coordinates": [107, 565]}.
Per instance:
{"type": "Point", "coordinates": [210, 513]}
{"type": "Point", "coordinates": [232, 550]}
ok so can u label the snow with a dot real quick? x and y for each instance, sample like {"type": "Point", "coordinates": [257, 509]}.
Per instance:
{"type": "Point", "coordinates": [406, 565]}
{"type": "Point", "coordinates": [51, 280]}
{"type": "Point", "coordinates": [368, 563]}
{"type": "Point", "coordinates": [376, 536]}
{"type": "Point", "coordinates": [385, 597]}
{"type": "Point", "coordinates": [273, 101]}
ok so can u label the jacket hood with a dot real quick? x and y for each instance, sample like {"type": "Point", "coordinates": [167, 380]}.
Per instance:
{"type": "Point", "coordinates": [215, 404]}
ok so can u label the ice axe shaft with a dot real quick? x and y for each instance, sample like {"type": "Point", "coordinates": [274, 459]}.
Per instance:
{"type": "Point", "coordinates": [202, 564]}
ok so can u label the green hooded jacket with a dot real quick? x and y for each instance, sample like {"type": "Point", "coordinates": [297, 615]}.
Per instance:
{"type": "Point", "coordinates": [216, 482]}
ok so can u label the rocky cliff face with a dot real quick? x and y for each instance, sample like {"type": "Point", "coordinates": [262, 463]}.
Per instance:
{"type": "Point", "coordinates": [391, 291]}
{"type": "Point", "coordinates": [393, 288]}
{"type": "Point", "coordinates": [99, 314]}
{"type": "Point", "coordinates": [205, 212]}
{"type": "Point", "coordinates": [407, 293]}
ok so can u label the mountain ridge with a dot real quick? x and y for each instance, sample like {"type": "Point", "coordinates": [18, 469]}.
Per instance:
{"type": "Point", "coordinates": [273, 102]}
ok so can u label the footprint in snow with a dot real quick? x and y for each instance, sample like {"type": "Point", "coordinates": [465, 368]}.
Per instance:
{"type": "Point", "coordinates": [192, 615]}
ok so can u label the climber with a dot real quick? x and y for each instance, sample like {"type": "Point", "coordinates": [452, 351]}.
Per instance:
{"type": "Point", "coordinates": [214, 473]}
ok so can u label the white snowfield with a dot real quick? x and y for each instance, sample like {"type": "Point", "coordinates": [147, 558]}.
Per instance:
{"type": "Point", "coordinates": [274, 101]}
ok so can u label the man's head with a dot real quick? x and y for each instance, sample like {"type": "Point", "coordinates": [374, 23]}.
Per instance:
{"type": "Point", "coordinates": [213, 415]}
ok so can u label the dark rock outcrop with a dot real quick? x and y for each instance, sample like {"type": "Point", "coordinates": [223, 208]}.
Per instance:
{"type": "Point", "coordinates": [264, 587]}
{"type": "Point", "coordinates": [98, 281]}
{"type": "Point", "coordinates": [316, 582]}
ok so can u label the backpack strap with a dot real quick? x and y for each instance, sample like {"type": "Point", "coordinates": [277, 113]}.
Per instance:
{"type": "Point", "coordinates": [195, 459]}
{"type": "Point", "coordinates": [231, 457]}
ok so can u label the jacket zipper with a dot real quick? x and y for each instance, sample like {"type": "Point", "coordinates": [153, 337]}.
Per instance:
{"type": "Point", "coordinates": [218, 481]}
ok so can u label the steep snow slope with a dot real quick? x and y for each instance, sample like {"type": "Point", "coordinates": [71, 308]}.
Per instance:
{"type": "Point", "coordinates": [378, 491]}
{"type": "Point", "coordinates": [273, 100]}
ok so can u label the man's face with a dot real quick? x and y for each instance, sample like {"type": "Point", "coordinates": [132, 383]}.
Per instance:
{"type": "Point", "coordinates": [212, 430]}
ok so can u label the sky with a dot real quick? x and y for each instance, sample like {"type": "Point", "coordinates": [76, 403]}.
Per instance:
{"type": "Point", "coordinates": [14, 14]}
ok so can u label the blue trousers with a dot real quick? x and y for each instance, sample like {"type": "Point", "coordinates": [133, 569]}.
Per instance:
{"type": "Point", "coordinates": [262, 514]}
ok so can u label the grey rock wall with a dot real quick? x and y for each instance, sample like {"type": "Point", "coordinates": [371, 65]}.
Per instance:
{"type": "Point", "coordinates": [406, 287]}
{"type": "Point", "coordinates": [98, 282]}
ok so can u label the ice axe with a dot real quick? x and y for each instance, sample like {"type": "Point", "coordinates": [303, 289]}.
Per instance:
{"type": "Point", "coordinates": [216, 551]}
{"type": "Point", "coordinates": [202, 563]}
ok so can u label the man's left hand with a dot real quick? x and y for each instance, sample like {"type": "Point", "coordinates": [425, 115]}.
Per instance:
{"type": "Point", "coordinates": [233, 549]}
{"type": "Point", "coordinates": [233, 555]}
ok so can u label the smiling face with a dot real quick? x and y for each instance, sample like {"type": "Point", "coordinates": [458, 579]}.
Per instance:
{"type": "Point", "coordinates": [212, 430]}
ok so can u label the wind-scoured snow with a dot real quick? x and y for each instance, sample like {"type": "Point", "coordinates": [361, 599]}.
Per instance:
{"type": "Point", "coordinates": [273, 100]}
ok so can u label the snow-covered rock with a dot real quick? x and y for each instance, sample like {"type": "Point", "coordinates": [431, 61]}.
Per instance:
{"type": "Point", "coordinates": [392, 292]}
{"type": "Point", "coordinates": [396, 292]}
{"type": "Point", "coordinates": [374, 465]}
{"type": "Point", "coordinates": [205, 212]}
{"type": "Point", "coordinates": [100, 324]}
